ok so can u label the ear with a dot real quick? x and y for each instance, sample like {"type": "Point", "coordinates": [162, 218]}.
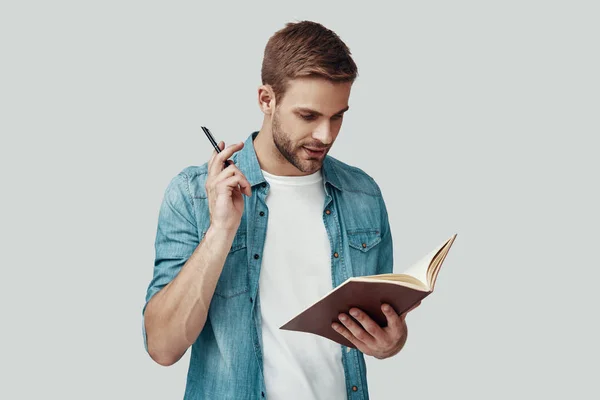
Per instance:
{"type": "Point", "coordinates": [266, 99]}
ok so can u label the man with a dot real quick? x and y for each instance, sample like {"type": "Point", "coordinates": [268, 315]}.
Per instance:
{"type": "Point", "coordinates": [242, 249]}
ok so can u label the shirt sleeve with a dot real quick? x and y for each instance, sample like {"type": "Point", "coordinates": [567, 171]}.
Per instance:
{"type": "Point", "coordinates": [176, 238]}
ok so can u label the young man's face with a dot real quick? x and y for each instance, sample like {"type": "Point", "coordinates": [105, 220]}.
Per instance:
{"type": "Point", "coordinates": [308, 119]}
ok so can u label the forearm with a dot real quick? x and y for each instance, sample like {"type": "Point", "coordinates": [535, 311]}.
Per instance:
{"type": "Point", "coordinates": [176, 314]}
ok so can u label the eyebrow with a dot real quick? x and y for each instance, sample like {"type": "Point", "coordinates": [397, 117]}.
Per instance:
{"type": "Point", "coordinates": [309, 110]}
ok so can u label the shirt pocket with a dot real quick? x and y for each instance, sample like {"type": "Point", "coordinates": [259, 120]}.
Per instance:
{"type": "Point", "coordinates": [363, 250]}
{"type": "Point", "coordinates": [233, 280]}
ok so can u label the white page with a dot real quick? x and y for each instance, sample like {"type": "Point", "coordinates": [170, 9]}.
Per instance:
{"type": "Point", "coordinates": [419, 269]}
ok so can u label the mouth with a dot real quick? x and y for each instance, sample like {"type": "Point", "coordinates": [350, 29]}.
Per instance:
{"type": "Point", "coordinates": [314, 152]}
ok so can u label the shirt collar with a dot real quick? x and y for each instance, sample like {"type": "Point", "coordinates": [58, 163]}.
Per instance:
{"type": "Point", "coordinates": [248, 163]}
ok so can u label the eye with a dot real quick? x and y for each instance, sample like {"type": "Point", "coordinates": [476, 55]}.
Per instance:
{"type": "Point", "coordinates": [337, 116]}
{"type": "Point", "coordinates": [309, 117]}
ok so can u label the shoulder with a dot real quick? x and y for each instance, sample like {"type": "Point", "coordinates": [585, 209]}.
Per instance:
{"type": "Point", "coordinates": [352, 178]}
{"type": "Point", "coordinates": [189, 182]}
{"type": "Point", "coordinates": [194, 172]}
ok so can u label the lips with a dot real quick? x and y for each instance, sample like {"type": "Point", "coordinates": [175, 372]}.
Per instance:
{"type": "Point", "coordinates": [314, 152]}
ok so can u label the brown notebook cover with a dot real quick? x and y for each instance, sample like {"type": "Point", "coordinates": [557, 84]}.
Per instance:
{"type": "Point", "coordinates": [367, 296]}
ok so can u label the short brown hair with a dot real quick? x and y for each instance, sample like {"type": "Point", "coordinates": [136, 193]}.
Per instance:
{"type": "Point", "coordinates": [305, 48]}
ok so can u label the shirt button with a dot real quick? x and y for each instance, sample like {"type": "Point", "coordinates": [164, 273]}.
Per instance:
{"type": "Point", "coordinates": [262, 213]}
{"type": "Point", "coordinates": [336, 255]}
{"type": "Point", "coordinates": [364, 245]}
{"type": "Point", "coordinates": [256, 256]}
{"type": "Point", "coordinates": [327, 212]}
{"type": "Point", "coordinates": [354, 388]}
{"type": "Point", "coordinates": [264, 184]}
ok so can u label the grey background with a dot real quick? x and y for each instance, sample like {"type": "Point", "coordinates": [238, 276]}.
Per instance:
{"type": "Point", "coordinates": [476, 118]}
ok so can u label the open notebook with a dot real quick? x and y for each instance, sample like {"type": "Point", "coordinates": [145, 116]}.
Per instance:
{"type": "Point", "coordinates": [368, 293]}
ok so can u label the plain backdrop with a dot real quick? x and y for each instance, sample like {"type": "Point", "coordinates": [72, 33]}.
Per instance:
{"type": "Point", "coordinates": [476, 118]}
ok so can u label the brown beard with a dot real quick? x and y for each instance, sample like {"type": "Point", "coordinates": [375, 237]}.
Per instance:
{"type": "Point", "coordinates": [286, 148]}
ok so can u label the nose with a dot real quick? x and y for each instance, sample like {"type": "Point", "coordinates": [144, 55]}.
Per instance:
{"type": "Point", "coordinates": [323, 133]}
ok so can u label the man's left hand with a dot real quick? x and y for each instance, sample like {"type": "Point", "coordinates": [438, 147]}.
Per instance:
{"type": "Point", "coordinates": [370, 338]}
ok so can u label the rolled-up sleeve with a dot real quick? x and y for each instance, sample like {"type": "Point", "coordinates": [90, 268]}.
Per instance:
{"type": "Point", "coordinates": [176, 238]}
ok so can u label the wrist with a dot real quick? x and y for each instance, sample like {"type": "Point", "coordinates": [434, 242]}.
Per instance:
{"type": "Point", "coordinates": [220, 234]}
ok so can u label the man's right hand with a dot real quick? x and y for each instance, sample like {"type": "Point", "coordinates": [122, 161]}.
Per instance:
{"type": "Point", "coordinates": [224, 188]}
{"type": "Point", "coordinates": [177, 313]}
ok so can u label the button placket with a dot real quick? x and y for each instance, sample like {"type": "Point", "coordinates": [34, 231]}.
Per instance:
{"type": "Point", "coordinates": [338, 272]}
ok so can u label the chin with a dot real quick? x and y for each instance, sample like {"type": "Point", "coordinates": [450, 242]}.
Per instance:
{"type": "Point", "coordinates": [310, 166]}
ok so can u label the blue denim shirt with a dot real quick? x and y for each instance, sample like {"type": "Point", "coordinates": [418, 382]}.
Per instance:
{"type": "Point", "coordinates": [226, 358]}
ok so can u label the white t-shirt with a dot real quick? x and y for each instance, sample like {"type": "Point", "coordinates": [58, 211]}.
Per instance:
{"type": "Point", "coordinates": [295, 272]}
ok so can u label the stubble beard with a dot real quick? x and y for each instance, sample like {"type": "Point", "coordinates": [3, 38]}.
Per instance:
{"type": "Point", "coordinates": [287, 150]}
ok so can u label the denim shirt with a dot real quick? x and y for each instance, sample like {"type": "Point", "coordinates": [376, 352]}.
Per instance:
{"type": "Point", "coordinates": [226, 358]}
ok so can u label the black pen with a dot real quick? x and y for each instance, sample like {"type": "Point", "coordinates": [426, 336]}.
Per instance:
{"type": "Point", "coordinates": [212, 141]}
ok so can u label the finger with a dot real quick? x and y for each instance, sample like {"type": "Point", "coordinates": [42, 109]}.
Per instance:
{"type": "Point", "coordinates": [214, 154]}
{"type": "Point", "coordinates": [211, 170]}
{"type": "Point", "coordinates": [393, 319]}
{"type": "Point", "coordinates": [244, 185]}
{"type": "Point", "coordinates": [229, 184]}
{"type": "Point", "coordinates": [234, 170]}
{"type": "Point", "coordinates": [368, 324]}
{"type": "Point", "coordinates": [217, 164]}
{"type": "Point", "coordinates": [215, 174]}
{"type": "Point", "coordinates": [342, 330]}
{"type": "Point", "coordinates": [229, 151]}
{"type": "Point", "coordinates": [357, 330]}
{"type": "Point", "coordinates": [220, 158]}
